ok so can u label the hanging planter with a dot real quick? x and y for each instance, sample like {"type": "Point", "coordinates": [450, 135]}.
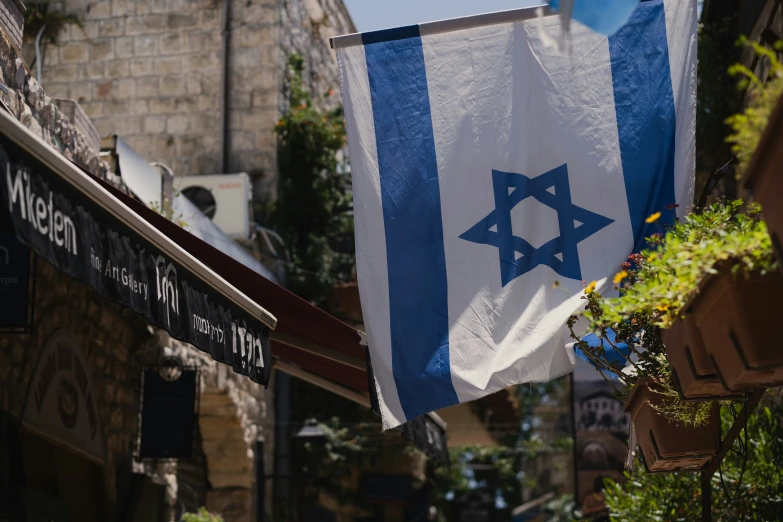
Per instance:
{"type": "Point", "coordinates": [738, 318]}
{"type": "Point", "coordinates": [767, 186]}
{"type": "Point", "coordinates": [688, 330]}
{"type": "Point", "coordinates": [764, 178]}
{"type": "Point", "coordinates": [693, 372]}
{"type": "Point", "coordinates": [667, 446]}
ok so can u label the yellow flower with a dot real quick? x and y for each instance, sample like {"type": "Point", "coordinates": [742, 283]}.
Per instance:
{"type": "Point", "coordinates": [651, 258]}
{"type": "Point", "coordinates": [589, 289]}
{"type": "Point", "coordinates": [620, 276]}
{"type": "Point", "coordinates": [662, 308]}
{"type": "Point", "coordinates": [653, 218]}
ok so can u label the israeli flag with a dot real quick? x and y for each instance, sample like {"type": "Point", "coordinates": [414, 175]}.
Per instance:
{"type": "Point", "coordinates": [492, 175]}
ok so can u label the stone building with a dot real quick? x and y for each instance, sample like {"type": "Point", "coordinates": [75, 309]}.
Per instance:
{"type": "Point", "coordinates": [154, 73]}
{"type": "Point", "coordinates": [103, 348]}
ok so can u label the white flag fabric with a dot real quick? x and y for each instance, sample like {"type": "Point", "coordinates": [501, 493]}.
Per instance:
{"type": "Point", "coordinates": [487, 167]}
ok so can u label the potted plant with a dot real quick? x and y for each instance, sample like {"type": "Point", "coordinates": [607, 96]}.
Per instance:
{"type": "Point", "coordinates": [674, 435]}
{"type": "Point", "coordinates": [668, 446]}
{"type": "Point", "coordinates": [693, 373]}
{"type": "Point", "coordinates": [737, 316]}
{"type": "Point", "coordinates": [692, 314]}
{"type": "Point", "coordinates": [759, 129]}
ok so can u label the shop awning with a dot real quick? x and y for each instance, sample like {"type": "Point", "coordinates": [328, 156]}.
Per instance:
{"type": "Point", "coordinates": [74, 221]}
{"type": "Point", "coordinates": [180, 283]}
{"type": "Point", "coordinates": [319, 345]}
{"type": "Point", "coordinates": [307, 343]}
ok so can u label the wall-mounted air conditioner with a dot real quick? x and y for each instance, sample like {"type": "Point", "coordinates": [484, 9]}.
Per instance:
{"type": "Point", "coordinates": [224, 198]}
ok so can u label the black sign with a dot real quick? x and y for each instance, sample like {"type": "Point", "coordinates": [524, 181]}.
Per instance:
{"type": "Point", "coordinates": [168, 416]}
{"type": "Point", "coordinates": [67, 228]}
{"type": "Point", "coordinates": [15, 301]}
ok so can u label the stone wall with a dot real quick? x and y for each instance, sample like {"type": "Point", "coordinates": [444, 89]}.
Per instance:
{"type": "Point", "coordinates": [233, 414]}
{"type": "Point", "coordinates": [117, 343]}
{"type": "Point", "coordinates": [150, 71]}
{"type": "Point", "coordinates": [308, 26]}
{"type": "Point", "coordinates": [109, 337]}
{"type": "Point", "coordinates": [28, 102]}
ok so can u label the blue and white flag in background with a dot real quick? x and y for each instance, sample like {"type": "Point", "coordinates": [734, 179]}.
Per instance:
{"type": "Point", "coordinates": [486, 167]}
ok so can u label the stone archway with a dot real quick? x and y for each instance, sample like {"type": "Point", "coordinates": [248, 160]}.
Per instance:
{"type": "Point", "coordinates": [225, 429]}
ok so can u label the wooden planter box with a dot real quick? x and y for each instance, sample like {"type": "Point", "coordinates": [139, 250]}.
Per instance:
{"type": "Point", "coordinates": [739, 320]}
{"type": "Point", "coordinates": [666, 446]}
{"type": "Point", "coordinates": [764, 177]}
{"type": "Point", "coordinates": [694, 375]}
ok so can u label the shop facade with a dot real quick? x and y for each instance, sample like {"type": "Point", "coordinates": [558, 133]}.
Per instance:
{"type": "Point", "coordinates": [91, 302]}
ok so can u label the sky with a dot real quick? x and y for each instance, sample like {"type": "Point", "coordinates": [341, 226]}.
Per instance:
{"type": "Point", "coordinates": [371, 15]}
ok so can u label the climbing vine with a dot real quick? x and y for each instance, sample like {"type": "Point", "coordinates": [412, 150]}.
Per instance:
{"type": "Point", "coordinates": [313, 212]}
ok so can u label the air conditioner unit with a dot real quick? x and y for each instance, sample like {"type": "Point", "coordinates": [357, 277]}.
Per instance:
{"type": "Point", "coordinates": [224, 198]}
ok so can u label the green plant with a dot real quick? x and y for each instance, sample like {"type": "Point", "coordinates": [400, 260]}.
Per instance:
{"type": "Point", "coordinates": [330, 464]}
{"type": "Point", "coordinates": [313, 209]}
{"type": "Point", "coordinates": [657, 284]}
{"type": "Point", "coordinates": [168, 212]}
{"type": "Point", "coordinates": [40, 15]}
{"type": "Point", "coordinates": [748, 126]}
{"type": "Point", "coordinates": [560, 509]}
{"type": "Point", "coordinates": [201, 516]}
{"type": "Point", "coordinates": [748, 487]}
{"type": "Point", "coordinates": [668, 274]}
{"type": "Point", "coordinates": [449, 482]}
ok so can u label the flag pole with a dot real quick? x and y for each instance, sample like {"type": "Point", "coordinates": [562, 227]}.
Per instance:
{"type": "Point", "coordinates": [454, 24]}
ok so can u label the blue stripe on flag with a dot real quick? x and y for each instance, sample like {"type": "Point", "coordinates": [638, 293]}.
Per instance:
{"type": "Point", "coordinates": [644, 101]}
{"type": "Point", "coordinates": [410, 193]}
{"type": "Point", "coordinates": [389, 35]}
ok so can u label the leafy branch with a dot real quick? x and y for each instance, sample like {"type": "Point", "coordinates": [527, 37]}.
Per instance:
{"type": "Point", "coordinates": [657, 285]}
{"type": "Point", "coordinates": [313, 212]}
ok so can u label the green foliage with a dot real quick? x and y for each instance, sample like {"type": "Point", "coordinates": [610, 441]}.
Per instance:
{"type": "Point", "coordinates": [748, 126]}
{"type": "Point", "coordinates": [560, 509]}
{"type": "Point", "coordinates": [202, 516]}
{"type": "Point", "coordinates": [748, 488]}
{"type": "Point", "coordinates": [660, 281]}
{"type": "Point", "coordinates": [314, 200]}
{"type": "Point", "coordinates": [669, 273]}
{"type": "Point", "coordinates": [457, 478]}
{"type": "Point", "coordinates": [328, 465]}
{"type": "Point", "coordinates": [531, 395]}
{"type": "Point", "coordinates": [41, 14]}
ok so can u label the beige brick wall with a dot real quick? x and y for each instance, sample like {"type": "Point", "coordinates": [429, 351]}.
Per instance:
{"type": "Point", "coordinates": [149, 71]}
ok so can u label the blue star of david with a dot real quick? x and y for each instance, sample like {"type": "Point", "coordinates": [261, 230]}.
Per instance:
{"type": "Point", "coordinates": [576, 225]}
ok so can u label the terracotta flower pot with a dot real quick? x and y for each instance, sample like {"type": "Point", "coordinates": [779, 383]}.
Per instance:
{"type": "Point", "coordinates": [768, 191]}
{"type": "Point", "coordinates": [693, 373]}
{"type": "Point", "coordinates": [667, 446]}
{"type": "Point", "coordinates": [739, 321]}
